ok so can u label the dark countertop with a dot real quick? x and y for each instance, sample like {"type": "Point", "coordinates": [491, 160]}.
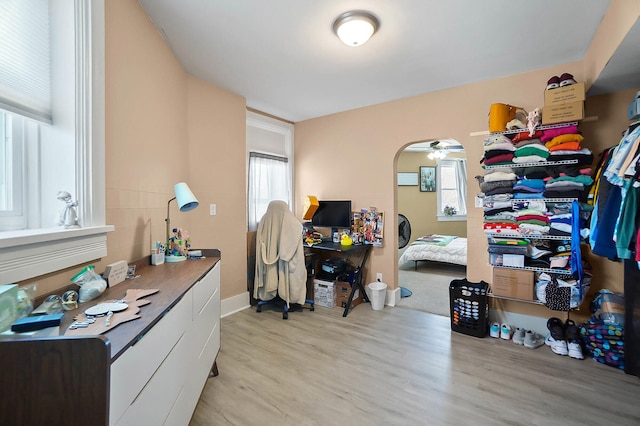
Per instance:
{"type": "Point", "coordinates": [172, 279]}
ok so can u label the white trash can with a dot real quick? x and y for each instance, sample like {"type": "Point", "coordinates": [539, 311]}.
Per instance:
{"type": "Point", "coordinates": [377, 295]}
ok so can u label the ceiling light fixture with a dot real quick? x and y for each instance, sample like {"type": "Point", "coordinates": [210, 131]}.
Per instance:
{"type": "Point", "coordinates": [437, 155]}
{"type": "Point", "coordinates": [355, 27]}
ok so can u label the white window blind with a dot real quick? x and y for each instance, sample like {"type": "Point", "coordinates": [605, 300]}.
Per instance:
{"type": "Point", "coordinates": [25, 58]}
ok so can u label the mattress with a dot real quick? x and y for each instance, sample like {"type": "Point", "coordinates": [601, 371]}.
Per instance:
{"type": "Point", "coordinates": [437, 248]}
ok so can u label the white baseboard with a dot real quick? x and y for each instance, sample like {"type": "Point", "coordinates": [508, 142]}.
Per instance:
{"type": "Point", "coordinates": [233, 304]}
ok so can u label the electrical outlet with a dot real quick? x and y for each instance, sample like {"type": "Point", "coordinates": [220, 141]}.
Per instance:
{"type": "Point", "coordinates": [379, 276]}
{"type": "Point", "coordinates": [212, 209]}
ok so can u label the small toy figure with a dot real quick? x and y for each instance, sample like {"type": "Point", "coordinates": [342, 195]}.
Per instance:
{"type": "Point", "coordinates": [68, 216]}
{"type": "Point", "coordinates": [533, 120]}
{"type": "Point", "coordinates": [179, 244]}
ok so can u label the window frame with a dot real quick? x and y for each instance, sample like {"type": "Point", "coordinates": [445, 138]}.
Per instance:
{"type": "Point", "coordinates": [29, 253]}
{"type": "Point", "coordinates": [439, 213]}
{"type": "Point", "coordinates": [286, 131]}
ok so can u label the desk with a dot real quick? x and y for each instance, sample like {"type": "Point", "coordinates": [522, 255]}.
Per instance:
{"type": "Point", "coordinates": [362, 249]}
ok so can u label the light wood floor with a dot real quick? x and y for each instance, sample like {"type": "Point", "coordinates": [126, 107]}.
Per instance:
{"type": "Point", "coordinates": [400, 367]}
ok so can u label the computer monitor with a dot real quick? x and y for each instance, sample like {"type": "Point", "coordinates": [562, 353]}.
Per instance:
{"type": "Point", "coordinates": [332, 214]}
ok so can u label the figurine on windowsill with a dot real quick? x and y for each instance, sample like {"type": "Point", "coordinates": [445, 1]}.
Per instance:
{"type": "Point", "coordinates": [68, 215]}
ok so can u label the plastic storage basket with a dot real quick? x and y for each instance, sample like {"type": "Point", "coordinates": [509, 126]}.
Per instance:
{"type": "Point", "coordinates": [469, 307]}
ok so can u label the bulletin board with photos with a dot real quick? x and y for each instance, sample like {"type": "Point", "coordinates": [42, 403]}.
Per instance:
{"type": "Point", "coordinates": [368, 224]}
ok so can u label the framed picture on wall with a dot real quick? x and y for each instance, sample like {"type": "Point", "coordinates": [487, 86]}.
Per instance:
{"type": "Point", "coordinates": [427, 179]}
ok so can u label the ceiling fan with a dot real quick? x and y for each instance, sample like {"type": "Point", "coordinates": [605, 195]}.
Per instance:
{"type": "Point", "coordinates": [438, 150]}
{"type": "Point", "coordinates": [404, 231]}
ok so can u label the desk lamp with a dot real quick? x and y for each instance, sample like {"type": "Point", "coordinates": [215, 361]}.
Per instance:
{"type": "Point", "coordinates": [186, 201]}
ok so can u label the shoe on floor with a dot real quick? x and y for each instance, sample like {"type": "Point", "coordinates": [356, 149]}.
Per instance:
{"type": "Point", "coordinates": [494, 330]}
{"type": "Point", "coordinates": [518, 336]}
{"type": "Point", "coordinates": [571, 331]}
{"type": "Point", "coordinates": [556, 328]}
{"type": "Point", "coordinates": [557, 346]}
{"type": "Point", "coordinates": [575, 350]}
{"type": "Point", "coordinates": [533, 340]}
{"type": "Point", "coordinates": [506, 332]}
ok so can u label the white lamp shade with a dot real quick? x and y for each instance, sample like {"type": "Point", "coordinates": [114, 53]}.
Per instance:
{"type": "Point", "coordinates": [355, 28]}
{"type": "Point", "coordinates": [184, 197]}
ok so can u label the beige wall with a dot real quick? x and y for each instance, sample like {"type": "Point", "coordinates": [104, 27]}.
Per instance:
{"type": "Point", "coordinates": [388, 127]}
{"type": "Point", "coordinates": [421, 208]}
{"type": "Point", "coordinates": [163, 126]}
{"type": "Point", "coordinates": [217, 170]}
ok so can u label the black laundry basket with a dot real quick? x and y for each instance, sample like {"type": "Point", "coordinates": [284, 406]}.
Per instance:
{"type": "Point", "coordinates": [469, 305]}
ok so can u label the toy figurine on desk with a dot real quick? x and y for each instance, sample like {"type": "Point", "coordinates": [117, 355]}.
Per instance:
{"type": "Point", "coordinates": [178, 246]}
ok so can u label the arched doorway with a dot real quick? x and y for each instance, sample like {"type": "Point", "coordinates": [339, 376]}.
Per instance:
{"type": "Point", "coordinates": [424, 202]}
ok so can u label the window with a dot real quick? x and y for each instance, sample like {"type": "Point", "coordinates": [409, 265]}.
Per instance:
{"type": "Point", "coordinates": [268, 181]}
{"type": "Point", "coordinates": [270, 145]}
{"type": "Point", "coordinates": [51, 142]}
{"type": "Point", "coordinates": [11, 189]}
{"type": "Point", "coordinates": [452, 189]}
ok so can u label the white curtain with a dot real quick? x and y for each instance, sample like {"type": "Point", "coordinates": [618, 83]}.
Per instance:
{"type": "Point", "coordinates": [461, 184]}
{"type": "Point", "coordinates": [268, 180]}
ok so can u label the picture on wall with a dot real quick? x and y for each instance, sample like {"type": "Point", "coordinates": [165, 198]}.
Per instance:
{"type": "Point", "coordinates": [369, 224]}
{"type": "Point", "coordinates": [427, 179]}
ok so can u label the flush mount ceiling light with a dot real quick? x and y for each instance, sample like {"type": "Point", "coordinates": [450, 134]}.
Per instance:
{"type": "Point", "coordinates": [355, 27]}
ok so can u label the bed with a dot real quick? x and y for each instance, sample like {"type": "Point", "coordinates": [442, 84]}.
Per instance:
{"type": "Point", "coordinates": [436, 248]}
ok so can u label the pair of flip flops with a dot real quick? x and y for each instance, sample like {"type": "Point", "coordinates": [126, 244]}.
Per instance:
{"type": "Point", "coordinates": [565, 79]}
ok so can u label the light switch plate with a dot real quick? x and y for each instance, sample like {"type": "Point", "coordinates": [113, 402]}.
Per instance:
{"type": "Point", "coordinates": [115, 272]}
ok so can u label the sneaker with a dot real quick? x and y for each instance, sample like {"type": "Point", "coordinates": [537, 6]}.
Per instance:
{"type": "Point", "coordinates": [557, 346]}
{"type": "Point", "coordinates": [506, 332]}
{"type": "Point", "coordinates": [556, 328]}
{"type": "Point", "coordinates": [571, 331]}
{"type": "Point", "coordinates": [518, 336]}
{"type": "Point", "coordinates": [494, 330]}
{"type": "Point", "coordinates": [537, 253]}
{"type": "Point", "coordinates": [553, 83]}
{"type": "Point", "coordinates": [566, 79]}
{"type": "Point", "coordinates": [533, 340]}
{"type": "Point", "coordinates": [575, 350]}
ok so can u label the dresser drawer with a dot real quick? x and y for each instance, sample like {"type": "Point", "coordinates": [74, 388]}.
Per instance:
{"type": "Point", "coordinates": [204, 290]}
{"type": "Point", "coordinates": [133, 369]}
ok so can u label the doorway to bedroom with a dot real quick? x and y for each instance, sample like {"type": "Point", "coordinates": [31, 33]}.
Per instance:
{"type": "Point", "coordinates": [432, 226]}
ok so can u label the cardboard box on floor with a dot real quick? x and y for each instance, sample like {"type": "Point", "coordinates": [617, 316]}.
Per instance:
{"type": "Point", "coordinates": [564, 95]}
{"type": "Point", "coordinates": [343, 289]}
{"type": "Point", "coordinates": [324, 293]}
{"type": "Point", "coordinates": [513, 283]}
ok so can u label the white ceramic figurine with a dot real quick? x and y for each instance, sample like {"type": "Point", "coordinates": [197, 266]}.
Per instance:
{"type": "Point", "coordinates": [68, 215]}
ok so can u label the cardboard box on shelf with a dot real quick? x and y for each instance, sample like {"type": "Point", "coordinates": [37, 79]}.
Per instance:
{"type": "Point", "coordinates": [513, 283]}
{"type": "Point", "coordinates": [324, 293]}
{"type": "Point", "coordinates": [343, 289]}
{"type": "Point", "coordinates": [563, 95]}
{"type": "Point", "coordinates": [562, 113]}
